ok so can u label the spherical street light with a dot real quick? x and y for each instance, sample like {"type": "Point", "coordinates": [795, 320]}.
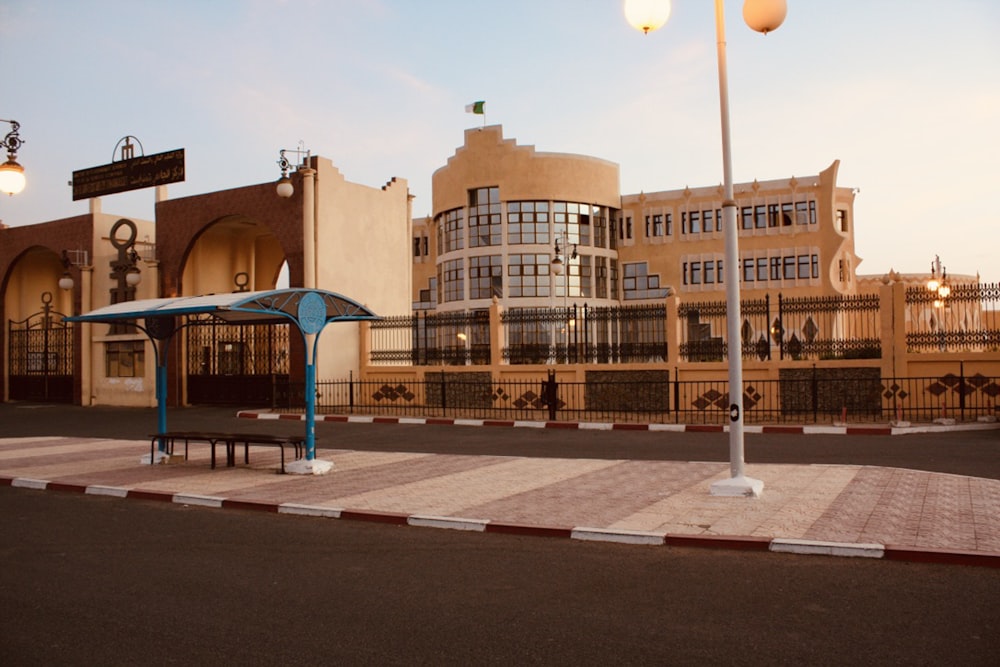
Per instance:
{"type": "Point", "coordinates": [646, 15]}
{"type": "Point", "coordinates": [12, 179]}
{"type": "Point", "coordinates": [285, 188]}
{"type": "Point", "coordinates": [764, 15]}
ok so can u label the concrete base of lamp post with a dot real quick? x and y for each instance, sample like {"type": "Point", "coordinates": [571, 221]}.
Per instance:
{"type": "Point", "coordinates": [309, 467]}
{"type": "Point", "coordinates": [734, 487]}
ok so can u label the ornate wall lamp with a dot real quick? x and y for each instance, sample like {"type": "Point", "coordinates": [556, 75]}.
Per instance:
{"type": "Point", "coordinates": [12, 179]}
{"type": "Point", "coordinates": [69, 259]}
{"type": "Point", "coordinates": [284, 187]}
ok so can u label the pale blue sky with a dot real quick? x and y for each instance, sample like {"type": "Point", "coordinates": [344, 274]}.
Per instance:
{"type": "Point", "coordinates": [906, 93]}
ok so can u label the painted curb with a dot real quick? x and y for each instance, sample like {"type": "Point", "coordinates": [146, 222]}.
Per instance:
{"type": "Point", "coordinates": [767, 429]}
{"type": "Point", "coordinates": [618, 536]}
{"type": "Point", "coordinates": [447, 522]}
{"type": "Point", "coordinates": [813, 547]}
{"type": "Point", "coordinates": [726, 542]}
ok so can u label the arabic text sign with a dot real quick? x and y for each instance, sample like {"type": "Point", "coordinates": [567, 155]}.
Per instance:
{"type": "Point", "coordinates": [133, 174]}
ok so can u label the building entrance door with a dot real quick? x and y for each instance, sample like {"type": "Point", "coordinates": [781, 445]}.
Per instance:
{"type": "Point", "coordinates": [236, 364]}
{"type": "Point", "coordinates": [40, 353]}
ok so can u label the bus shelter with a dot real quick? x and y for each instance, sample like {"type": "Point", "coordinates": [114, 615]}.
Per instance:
{"type": "Point", "coordinates": [309, 310]}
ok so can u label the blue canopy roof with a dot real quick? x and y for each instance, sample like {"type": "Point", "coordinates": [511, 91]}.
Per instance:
{"type": "Point", "coordinates": [310, 308]}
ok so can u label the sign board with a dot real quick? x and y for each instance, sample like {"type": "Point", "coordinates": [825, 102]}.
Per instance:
{"type": "Point", "coordinates": [132, 174]}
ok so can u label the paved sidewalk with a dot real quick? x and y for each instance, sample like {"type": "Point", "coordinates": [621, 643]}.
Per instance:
{"type": "Point", "coordinates": [825, 509]}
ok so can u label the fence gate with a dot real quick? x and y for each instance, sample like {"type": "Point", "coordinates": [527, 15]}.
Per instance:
{"type": "Point", "coordinates": [244, 364]}
{"type": "Point", "coordinates": [40, 354]}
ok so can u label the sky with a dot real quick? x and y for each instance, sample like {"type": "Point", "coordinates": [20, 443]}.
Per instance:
{"type": "Point", "coordinates": [905, 93]}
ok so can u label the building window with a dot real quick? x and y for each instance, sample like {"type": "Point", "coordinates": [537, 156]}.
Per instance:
{"type": "Point", "coordinates": [815, 266]}
{"type": "Point", "coordinates": [416, 246]}
{"type": "Point", "coordinates": [528, 275]}
{"type": "Point", "coordinates": [613, 291]}
{"type": "Point", "coordinates": [578, 277]}
{"type": "Point", "coordinates": [485, 277]}
{"type": "Point", "coordinates": [125, 359]}
{"type": "Point", "coordinates": [746, 217]}
{"type": "Point", "coordinates": [601, 275]}
{"type": "Point", "coordinates": [451, 281]}
{"type": "Point", "coordinates": [842, 220]}
{"type": "Point", "coordinates": [803, 266]}
{"type": "Point", "coordinates": [773, 215]}
{"type": "Point", "coordinates": [599, 221]}
{"type": "Point", "coordinates": [709, 272]}
{"type": "Point", "coordinates": [484, 217]}
{"type": "Point", "coordinates": [527, 222]}
{"type": "Point", "coordinates": [775, 268]}
{"type": "Point", "coordinates": [572, 221]}
{"type": "Point", "coordinates": [760, 216]}
{"type": "Point", "coordinates": [428, 297]}
{"type": "Point", "coordinates": [805, 212]}
{"type": "Point", "coordinates": [748, 270]}
{"type": "Point", "coordinates": [658, 225]}
{"type": "Point", "coordinates": [638, 284]}
{"type": "Point", "coordinates": [762, 268]}
{"type": "Point", "coordinates": [788, 267]}
{"type": "Point", "coordinates": [695, 273]}
{"type": "Point", "coordinates": [787, 212]}
{"type": "Point", "coordinates": [451, 231]}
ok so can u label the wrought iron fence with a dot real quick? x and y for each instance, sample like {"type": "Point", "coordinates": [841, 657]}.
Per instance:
{"type": "Point", "coordinates": [845, 327]}
{"type": "Point", "coordinates": [800, 396]}
{"type": "Point", "coordinates": [968, 319]}
{"type": "Point", "coordinates": [430, 339]}
{"type": "Point", "coordinates": [583, 334]}
{"type": "Point", "coordinates": [829, 327]}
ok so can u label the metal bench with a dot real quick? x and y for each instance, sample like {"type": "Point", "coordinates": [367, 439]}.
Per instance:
{"type": "Point", "coordinates": [230, 440]}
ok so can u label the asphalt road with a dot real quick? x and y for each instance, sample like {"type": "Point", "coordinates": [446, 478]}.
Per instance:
{"type": "Point", "coordinates": [88, 580]}
{"type": "Point", "coordinates": [974, 453]}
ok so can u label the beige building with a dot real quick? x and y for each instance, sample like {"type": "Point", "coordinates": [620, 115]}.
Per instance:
{"type": "Point", "coordinates": [504, 213]}
{"type": "Point", "coordinates": [326, 233]}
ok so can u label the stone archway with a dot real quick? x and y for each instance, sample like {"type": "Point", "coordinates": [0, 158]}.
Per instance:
{"type": "Point", "coordinates": [243, 364]}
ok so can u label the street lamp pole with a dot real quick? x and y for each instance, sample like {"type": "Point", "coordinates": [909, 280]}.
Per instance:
{"type": "Point", "coordinates": [763, 16]}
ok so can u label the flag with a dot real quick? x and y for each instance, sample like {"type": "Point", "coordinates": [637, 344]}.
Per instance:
{"type": "Point", "coordinates": [476, 107]}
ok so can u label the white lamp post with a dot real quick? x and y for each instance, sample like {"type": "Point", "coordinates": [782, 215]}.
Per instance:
{"type": "Point", "coordinates": [763, 16]}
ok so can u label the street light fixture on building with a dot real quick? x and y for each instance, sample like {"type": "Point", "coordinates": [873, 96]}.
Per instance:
{"type": "Point", "coordinates": [12, 179]}
{"type": "Point", "coordinates": [938, 284]}
{"type": "Point", "coordinates": [284, 187]}
{"type": "Point", "coordinates": [762, 16]}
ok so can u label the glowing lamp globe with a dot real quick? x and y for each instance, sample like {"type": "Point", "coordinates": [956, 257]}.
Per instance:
{"type": "Point", "coordinates": [764, 15]}
{"type": "Point", "coordinates": [11, 177]}
{"type": "Point", "coordinates": [285, 188]}
{"type": "Point", "coordinates": [646, 15]}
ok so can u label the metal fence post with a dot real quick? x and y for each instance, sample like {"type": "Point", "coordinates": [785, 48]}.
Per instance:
{"type": "Point", "coordinates": [551, 393]}
{"type": "Point", "coordinates": [961, 390]}
{"type": "Point", "coordinates": [350, 392]}
{"type": "Point", "coordinates": [815, 391]}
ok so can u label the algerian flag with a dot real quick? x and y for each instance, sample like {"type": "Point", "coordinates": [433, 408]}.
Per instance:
{"type": "Point", "coordinates": [476, 107]}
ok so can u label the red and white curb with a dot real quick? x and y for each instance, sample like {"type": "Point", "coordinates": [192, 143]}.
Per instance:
{"type": "Point", "coordinates": [814, 429]}
{"type": "Point", "coordinates": [651, 538]}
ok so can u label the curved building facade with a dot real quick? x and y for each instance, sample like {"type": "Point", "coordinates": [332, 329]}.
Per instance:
{"type": "Point", "coordinates": [529, 229]}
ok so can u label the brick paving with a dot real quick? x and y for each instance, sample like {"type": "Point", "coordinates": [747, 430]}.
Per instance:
{"type": "Point", "coordinates": [838, 504]}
